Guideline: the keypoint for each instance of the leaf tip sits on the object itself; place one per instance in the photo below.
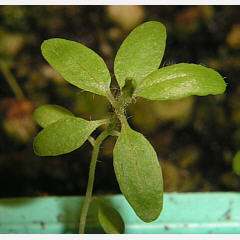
(35, 148)
(236, 163)
(152, 214)
(110, 219)
(46, 44)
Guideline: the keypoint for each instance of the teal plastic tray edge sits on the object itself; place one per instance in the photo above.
(215, 212)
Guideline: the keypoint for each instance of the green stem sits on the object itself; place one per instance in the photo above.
(119, 110)
(111, 99)
(11, 81)
(88, 197)
(91, 140)
(115, 133)
(120, 104)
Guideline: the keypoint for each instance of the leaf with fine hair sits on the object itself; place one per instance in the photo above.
(179, 81)
(77, 64)
(141, 53)
(138, 173)
(64, 136)
(110, 219)
(48, 114)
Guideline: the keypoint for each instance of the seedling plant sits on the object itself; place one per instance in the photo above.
(136, 68)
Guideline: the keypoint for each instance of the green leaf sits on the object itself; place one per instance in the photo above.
(141, 52)
(48, 114)
(138, 173)
(236, 163)
(110, 219)
(179, 81)
(64, 136)
(77, 64)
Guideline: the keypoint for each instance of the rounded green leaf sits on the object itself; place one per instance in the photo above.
(110, 219)
(179, 81)
(48, 114)
(141, 52)
(64, 136)
(138, 173)
(236, 163)
(77, 64)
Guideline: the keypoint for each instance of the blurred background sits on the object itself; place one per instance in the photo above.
(195, 138)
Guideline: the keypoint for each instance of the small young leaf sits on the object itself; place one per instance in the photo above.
(48, 114)
(179, 81)
(138, 173)
(77, 64)
(236, 163)
(141, 52)
(110, 219)
(64, 136)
